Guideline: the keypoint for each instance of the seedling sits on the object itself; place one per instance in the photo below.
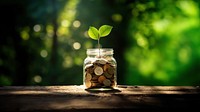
(96, 34)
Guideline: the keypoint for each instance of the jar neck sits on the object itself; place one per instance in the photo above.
(99, 52)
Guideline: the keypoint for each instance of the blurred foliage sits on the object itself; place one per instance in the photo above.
(44, 42)
(164, 48)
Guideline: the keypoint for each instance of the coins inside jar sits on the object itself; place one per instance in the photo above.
(99, 73)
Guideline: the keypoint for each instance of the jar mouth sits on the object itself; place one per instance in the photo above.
(102, 51)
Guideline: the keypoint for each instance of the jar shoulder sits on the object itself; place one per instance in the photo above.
(88, 60)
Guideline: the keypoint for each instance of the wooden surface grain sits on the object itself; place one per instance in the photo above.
(75, 98)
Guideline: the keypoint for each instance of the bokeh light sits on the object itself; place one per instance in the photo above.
(76, 45)
(37, 79)
(43, 53)
(37, 28)
(76, 24)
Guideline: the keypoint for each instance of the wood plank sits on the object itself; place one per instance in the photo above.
(75, 98)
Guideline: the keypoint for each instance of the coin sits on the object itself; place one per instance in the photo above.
(95, 77)
(101, 79)
(108, 75)
(111, 70)
(107, 82)
(101, 61)
(88, 77)
(94, 84)
(98, 70)
(99, 73)
(90, 70)
(105, 67)
(88, 84)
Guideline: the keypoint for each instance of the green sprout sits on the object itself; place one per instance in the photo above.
(96, 34)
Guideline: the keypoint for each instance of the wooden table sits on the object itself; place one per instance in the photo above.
(74, 98)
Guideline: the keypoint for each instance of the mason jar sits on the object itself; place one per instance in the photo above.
(100, 69)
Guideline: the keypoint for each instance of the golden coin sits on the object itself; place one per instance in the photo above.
(95, 78)
(88, 77)
(107, 82)
(90, 70)
(105, 67)
(94, 81)
(108, 75)
(111, 70)
(102, 61)
(101, 79)
(94, 84)
(98, 70)
(88, 84)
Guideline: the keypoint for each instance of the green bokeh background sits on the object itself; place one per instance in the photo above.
(44, 42)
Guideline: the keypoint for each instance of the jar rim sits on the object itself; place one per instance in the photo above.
(103, 51)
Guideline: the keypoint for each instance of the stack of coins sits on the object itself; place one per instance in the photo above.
(99, 73)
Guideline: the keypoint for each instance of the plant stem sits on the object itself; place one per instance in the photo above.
(99, 46)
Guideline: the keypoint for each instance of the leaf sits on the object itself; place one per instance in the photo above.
(93, 33)
(105, 30)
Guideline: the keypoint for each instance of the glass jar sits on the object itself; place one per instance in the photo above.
(100, 69)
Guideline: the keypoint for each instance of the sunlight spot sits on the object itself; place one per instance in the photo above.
(68, 62)
(88, 44)
(62, 31)
(160, 26)
(37, 78)
(161, 75)
(117, 17)
(76, 24)
(37, 28)
(24, 35)
(183, 55)
(146, 67)
(49, 30)
(86, 34)
(188, 7)
(78, 61)
(76, 45)
(141, 7)
(141, 41)
(65, 23)
(43, 53)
